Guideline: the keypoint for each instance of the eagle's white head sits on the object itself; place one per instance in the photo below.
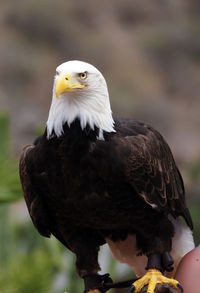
(79, 91)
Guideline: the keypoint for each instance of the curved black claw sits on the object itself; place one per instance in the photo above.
(132, 289)
(180, 287)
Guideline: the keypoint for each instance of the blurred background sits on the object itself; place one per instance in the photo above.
(149, 53)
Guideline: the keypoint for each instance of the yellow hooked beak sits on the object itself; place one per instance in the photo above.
(64, 84)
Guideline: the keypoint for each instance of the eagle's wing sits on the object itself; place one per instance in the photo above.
(35, 184)
(31, 194)
(152, 172)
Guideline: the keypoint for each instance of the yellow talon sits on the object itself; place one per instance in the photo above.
(152, 278)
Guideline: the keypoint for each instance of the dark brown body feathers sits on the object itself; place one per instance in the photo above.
(77, 187)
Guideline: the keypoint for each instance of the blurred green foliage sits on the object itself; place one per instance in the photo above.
(9, 179)
(30, 263)
(194, 171)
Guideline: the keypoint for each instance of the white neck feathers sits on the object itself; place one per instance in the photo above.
(91, 106)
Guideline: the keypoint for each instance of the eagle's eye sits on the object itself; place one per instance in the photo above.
(83, 75)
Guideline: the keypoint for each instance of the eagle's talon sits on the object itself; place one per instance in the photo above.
(180, 287)
(152, 278)
(131, 289)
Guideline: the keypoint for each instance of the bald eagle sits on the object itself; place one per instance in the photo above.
(91, 179)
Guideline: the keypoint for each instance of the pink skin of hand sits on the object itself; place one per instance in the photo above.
(188, 272)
